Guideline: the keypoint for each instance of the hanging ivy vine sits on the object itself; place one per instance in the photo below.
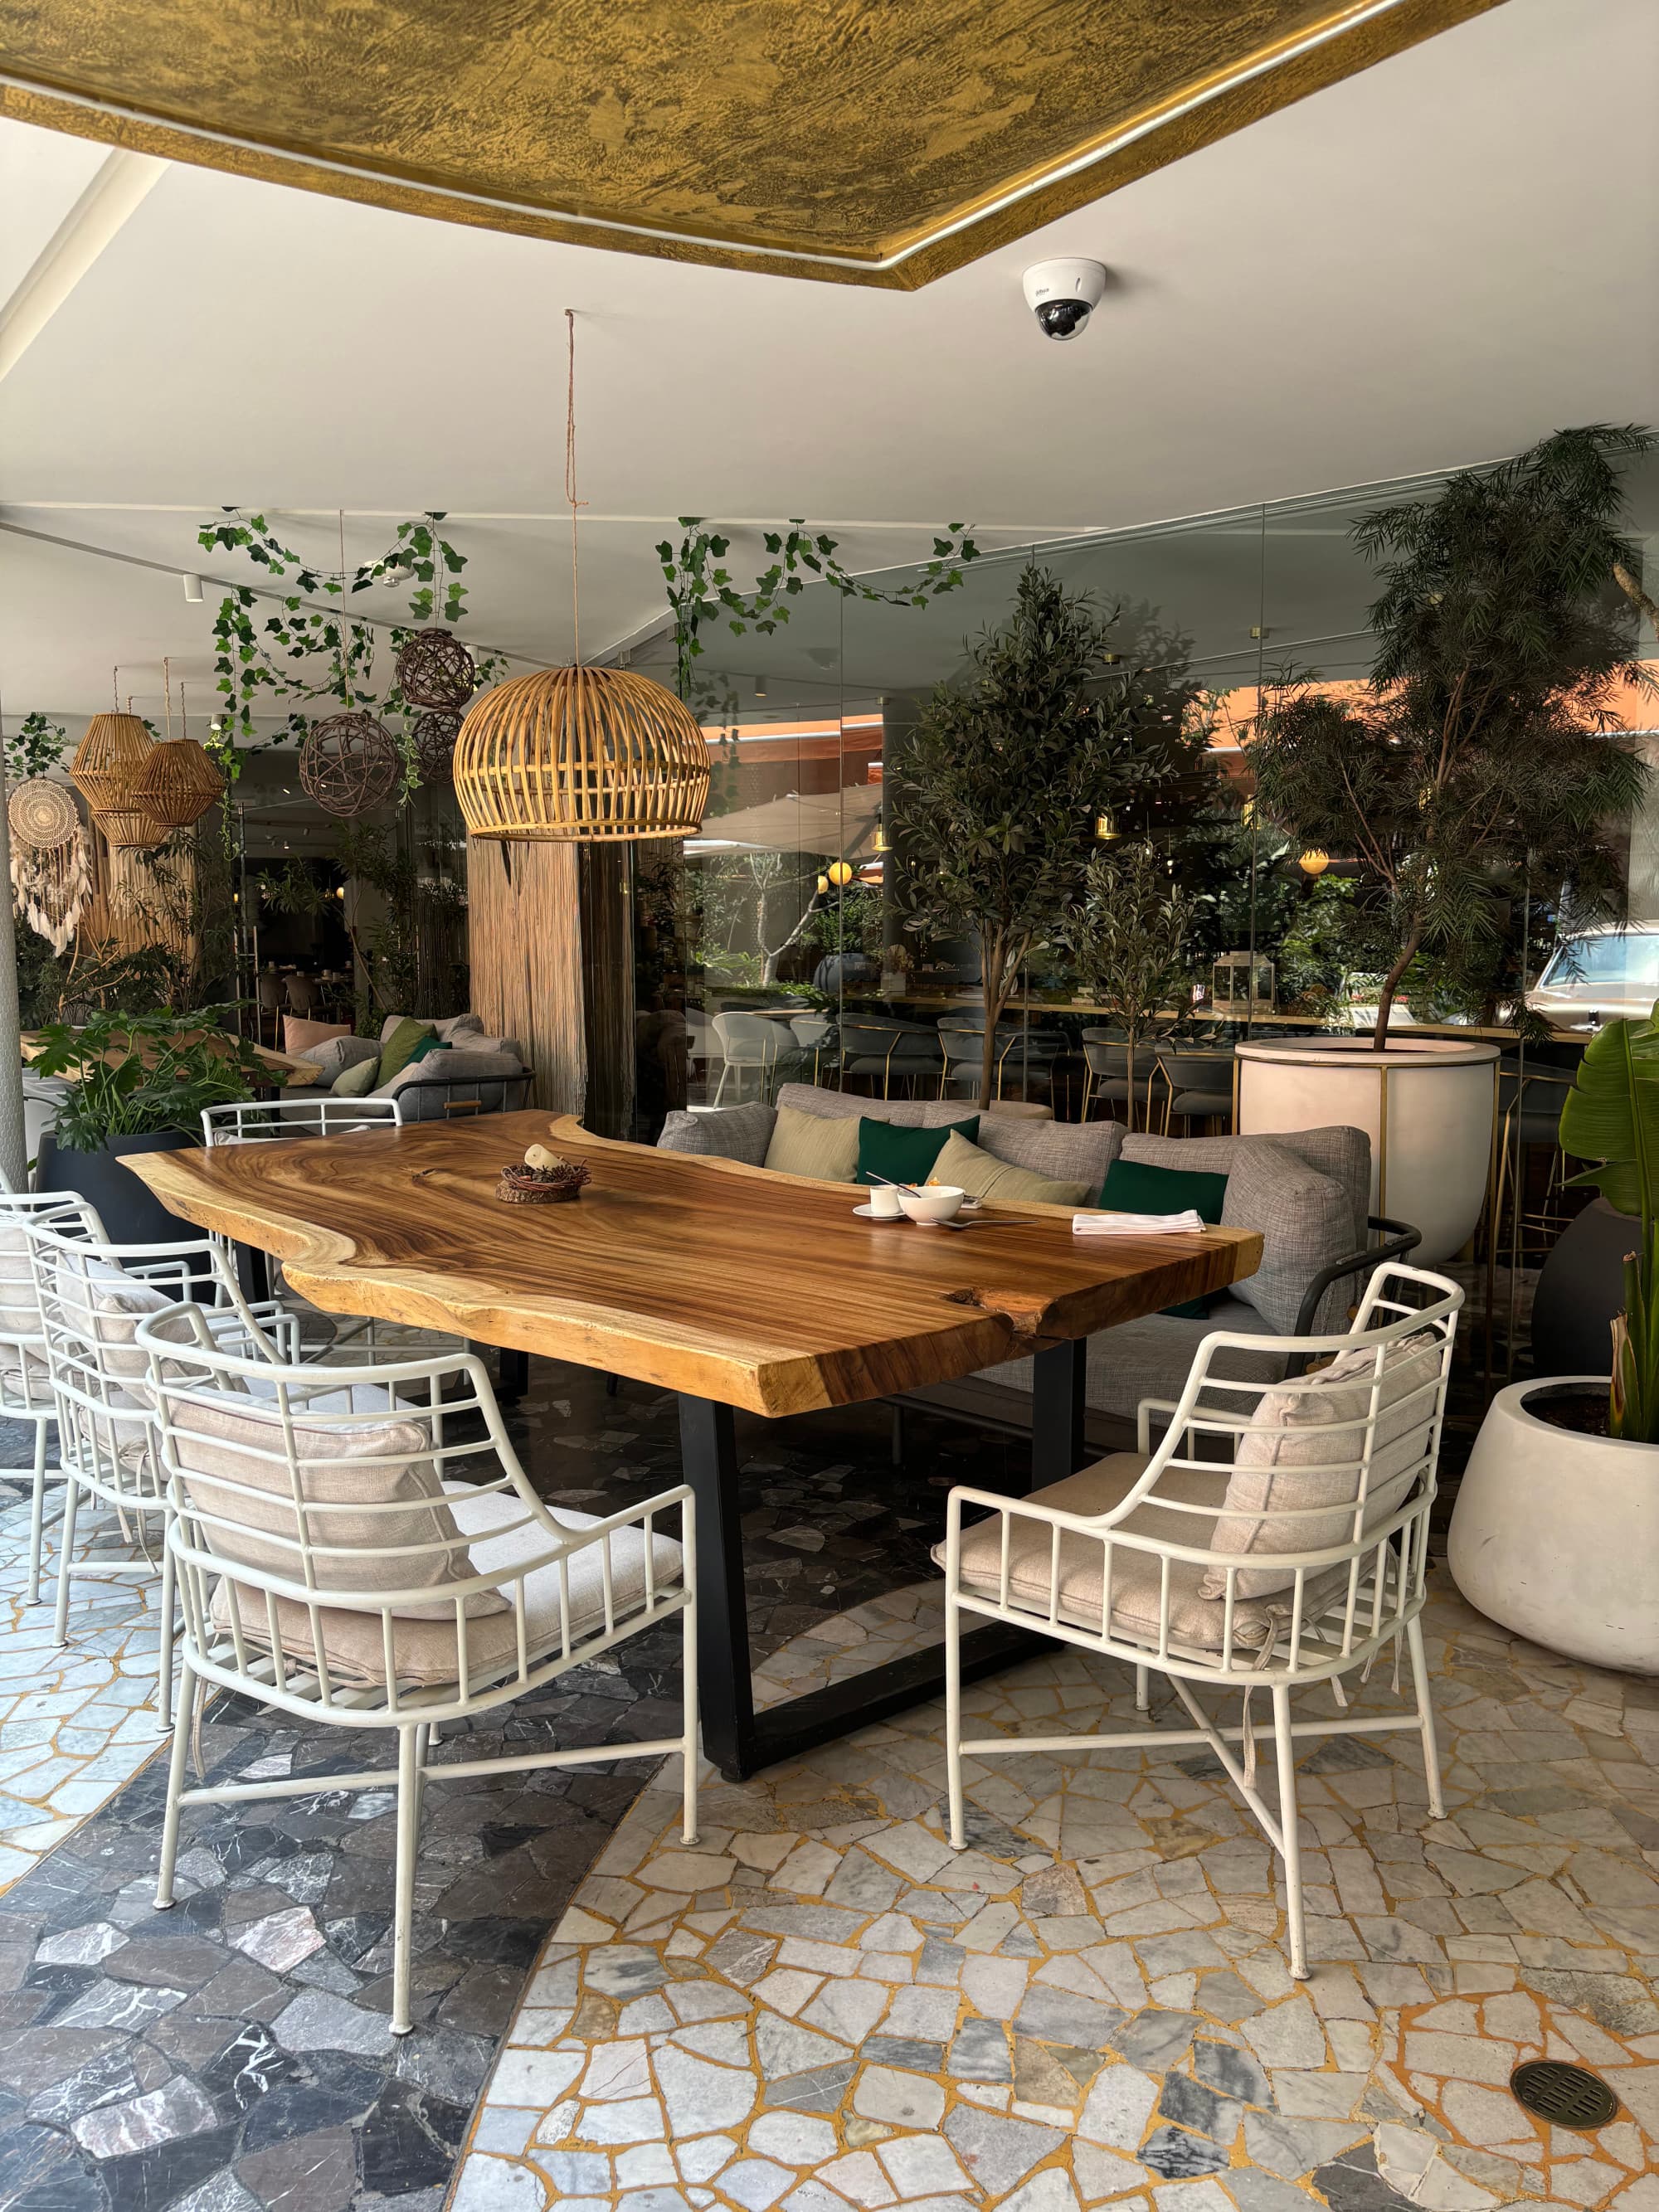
(34, 746)
(702, 590)
(306, 653)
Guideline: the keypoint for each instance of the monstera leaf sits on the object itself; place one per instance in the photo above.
(1612, 1115)
(1612, 1118)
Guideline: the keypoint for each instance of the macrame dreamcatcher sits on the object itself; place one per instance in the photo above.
(51, 865)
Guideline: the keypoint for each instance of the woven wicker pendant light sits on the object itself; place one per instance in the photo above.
(178, 782)
(588, 755)
(108, 764)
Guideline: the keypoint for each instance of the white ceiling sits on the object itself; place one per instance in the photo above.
(1435, 261)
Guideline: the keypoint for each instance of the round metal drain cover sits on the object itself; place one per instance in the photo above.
(1565, 2096)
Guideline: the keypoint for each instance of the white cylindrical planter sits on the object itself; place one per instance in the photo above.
(1428, 1105)
(1556, 1535)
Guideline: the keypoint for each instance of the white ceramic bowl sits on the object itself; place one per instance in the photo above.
(931, 1201)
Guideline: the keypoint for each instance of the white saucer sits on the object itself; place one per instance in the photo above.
(868, 1213)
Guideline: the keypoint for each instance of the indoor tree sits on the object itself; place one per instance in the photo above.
(1128, 935)
(994, 800)
(1478, 772)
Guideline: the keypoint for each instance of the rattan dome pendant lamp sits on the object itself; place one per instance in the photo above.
(178, 782)
(108, 764)
(583, 755)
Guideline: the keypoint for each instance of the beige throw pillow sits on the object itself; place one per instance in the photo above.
(981, 1175)
(378, 1492)
(814, 1145)
(1290, 1458)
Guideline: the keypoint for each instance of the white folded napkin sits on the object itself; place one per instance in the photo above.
(1135, 1225)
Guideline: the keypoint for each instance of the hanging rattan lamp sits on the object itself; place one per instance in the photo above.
(594, 754)
(108, 764)
(178, 782)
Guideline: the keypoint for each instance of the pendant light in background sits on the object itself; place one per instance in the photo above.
(108, 764)
(178, 782)
(589, 755)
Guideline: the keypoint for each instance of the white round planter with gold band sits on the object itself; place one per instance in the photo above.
(1428, 1105)
(1555, 1535)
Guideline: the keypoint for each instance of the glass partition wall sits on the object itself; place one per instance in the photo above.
(773, 947)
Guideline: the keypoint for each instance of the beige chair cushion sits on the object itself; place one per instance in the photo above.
(356, 1472)
(811, 1144)
(983, 1176)
(426, 1651)
(1288, 1459)
(1196, 1620)
(20, 1310)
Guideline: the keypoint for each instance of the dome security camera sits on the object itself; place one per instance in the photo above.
(1061, 294)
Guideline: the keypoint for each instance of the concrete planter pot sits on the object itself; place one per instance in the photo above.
(1426, 1104)
(1555, 1536)
(129, 1209)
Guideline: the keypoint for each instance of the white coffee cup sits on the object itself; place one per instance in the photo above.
(884, 1201)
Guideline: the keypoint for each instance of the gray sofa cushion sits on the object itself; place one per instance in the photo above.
(1066, 1151)
(1343, 1154)
(1301, 1191)
(736, 1132)
(459, 1064)
(338, 1053)
(1152, 1358)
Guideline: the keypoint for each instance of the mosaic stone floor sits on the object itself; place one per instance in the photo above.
(74, 1724)
(823, 2007)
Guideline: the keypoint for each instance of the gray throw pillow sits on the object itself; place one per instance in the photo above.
(340, 1053)
(734, 1132)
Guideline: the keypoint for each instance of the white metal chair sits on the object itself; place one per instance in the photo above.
(747, 1040)
(1274, 1538)
(387, 1568)
(25, 1379)
(90, 1295)
(279, 1120)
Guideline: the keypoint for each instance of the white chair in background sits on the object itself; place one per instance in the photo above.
(25, 1379)
(90, 1295)
(288, 1119)
(747, 1040)
(389, 1568)
(1276, 1539)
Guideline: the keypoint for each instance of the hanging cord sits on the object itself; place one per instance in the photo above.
(167, 689)
(570, 487)
(345, 688)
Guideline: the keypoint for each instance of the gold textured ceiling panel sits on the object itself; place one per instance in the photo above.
(854, 142)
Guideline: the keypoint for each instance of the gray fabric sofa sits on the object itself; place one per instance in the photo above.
(1305, 1191)
(479, 1073)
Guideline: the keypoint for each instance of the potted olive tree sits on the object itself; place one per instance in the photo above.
(992, 803)
(1556, 1530)
(137, 1084)
(1476, 777)
(1128, 937)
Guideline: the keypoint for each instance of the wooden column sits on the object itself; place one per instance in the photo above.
(607, 910)
(524, 938)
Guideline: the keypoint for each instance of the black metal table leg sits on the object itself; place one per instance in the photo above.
(725, 1690)
(735, 1737)
(1059, 1409)
(512, 1369)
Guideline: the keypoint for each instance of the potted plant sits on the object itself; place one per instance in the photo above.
(1555, 1534)
(1477, 777)
(1128, 937)
(137, 1084)
(992, 801)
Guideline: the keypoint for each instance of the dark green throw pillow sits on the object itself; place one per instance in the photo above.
(429, 1044)
(890, 1154)
(1137, 1187)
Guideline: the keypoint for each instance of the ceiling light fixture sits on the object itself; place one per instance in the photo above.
(581, 754)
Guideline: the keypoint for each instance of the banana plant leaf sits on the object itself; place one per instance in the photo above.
(1611, 1116)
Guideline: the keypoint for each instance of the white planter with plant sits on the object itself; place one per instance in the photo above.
(1474, 785)
(1555, 1534)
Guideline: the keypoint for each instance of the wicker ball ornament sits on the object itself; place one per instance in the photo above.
(350, 763)
(434, 737)
(179, 783)
(434, 669)
(587, 755)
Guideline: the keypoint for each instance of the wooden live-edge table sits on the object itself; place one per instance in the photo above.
(736, 1287)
